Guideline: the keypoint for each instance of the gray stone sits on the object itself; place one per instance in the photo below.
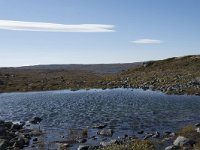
(3, 144)
(64, 146)
(109, 143)
(83, 147)
(35, 120)
(182, 141)
(156, 135)
(35, 139)
(140, 132)
(8, 124)
(82, 140)
(197, 124)
(2, 122)
(172, 147)
(99, 126)
(148, 136)
(198, 130)
(16, 127)
(106, 132)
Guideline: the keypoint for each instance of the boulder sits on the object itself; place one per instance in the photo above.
(156, 135)
(99, 126)
(198, 130)
(109, 143)
(3, 144)
(183, 141)
(197, 124)
(16, 126)
(83, 147)
(64, 146)
(82, 140)
(140, 132)
(35, 120)
(105, 132)
(19, 143)
(8, 125)
(2, 122)
(148, 136)
(172, 147)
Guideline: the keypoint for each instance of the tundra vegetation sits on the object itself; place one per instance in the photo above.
(179, 75)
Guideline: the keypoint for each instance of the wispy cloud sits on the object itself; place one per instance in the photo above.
(147, 41)
(53, 27)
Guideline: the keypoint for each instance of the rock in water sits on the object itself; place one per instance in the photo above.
(109, 143)
(83, 147)
(35, 120)
(105, 132)
(99, 126)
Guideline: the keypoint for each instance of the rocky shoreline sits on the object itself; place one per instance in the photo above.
(17, 135)
(188, 138)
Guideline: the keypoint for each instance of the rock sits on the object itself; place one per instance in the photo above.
(198, 130)
(172, 147)
(2, 131)
(105, 132)
(16, 127)
(19, 143)
(109, 143)
(148, 136)
(2, 122)
(167, 132)
(82, 140)
(172, 134)
(26, 141)
(83, 147)
(8, 124)
(35, 139)
(35, 120)
(197, 124)
(156, 135)
(64, 146)
(99, 126)
(182, 141)
(3, 144)
(140, 132)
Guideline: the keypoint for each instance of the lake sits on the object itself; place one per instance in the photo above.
(126, 111)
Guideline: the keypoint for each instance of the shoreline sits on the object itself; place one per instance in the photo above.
(111, 88)
(20, 135)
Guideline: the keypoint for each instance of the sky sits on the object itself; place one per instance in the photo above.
(36, 32)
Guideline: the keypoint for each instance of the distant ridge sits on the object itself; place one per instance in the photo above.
(96, 68)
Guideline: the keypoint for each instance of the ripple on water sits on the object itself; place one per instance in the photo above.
(121, 109)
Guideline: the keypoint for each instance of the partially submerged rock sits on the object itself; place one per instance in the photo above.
(35, 120)
(83, 147)
(99, 126)
(105, 132)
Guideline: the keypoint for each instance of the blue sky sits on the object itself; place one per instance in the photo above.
(126, 31)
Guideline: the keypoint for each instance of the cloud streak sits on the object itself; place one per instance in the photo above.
(53, 27)
(147, 41)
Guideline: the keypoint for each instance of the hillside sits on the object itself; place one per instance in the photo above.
(179, 75)
(174, 75)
